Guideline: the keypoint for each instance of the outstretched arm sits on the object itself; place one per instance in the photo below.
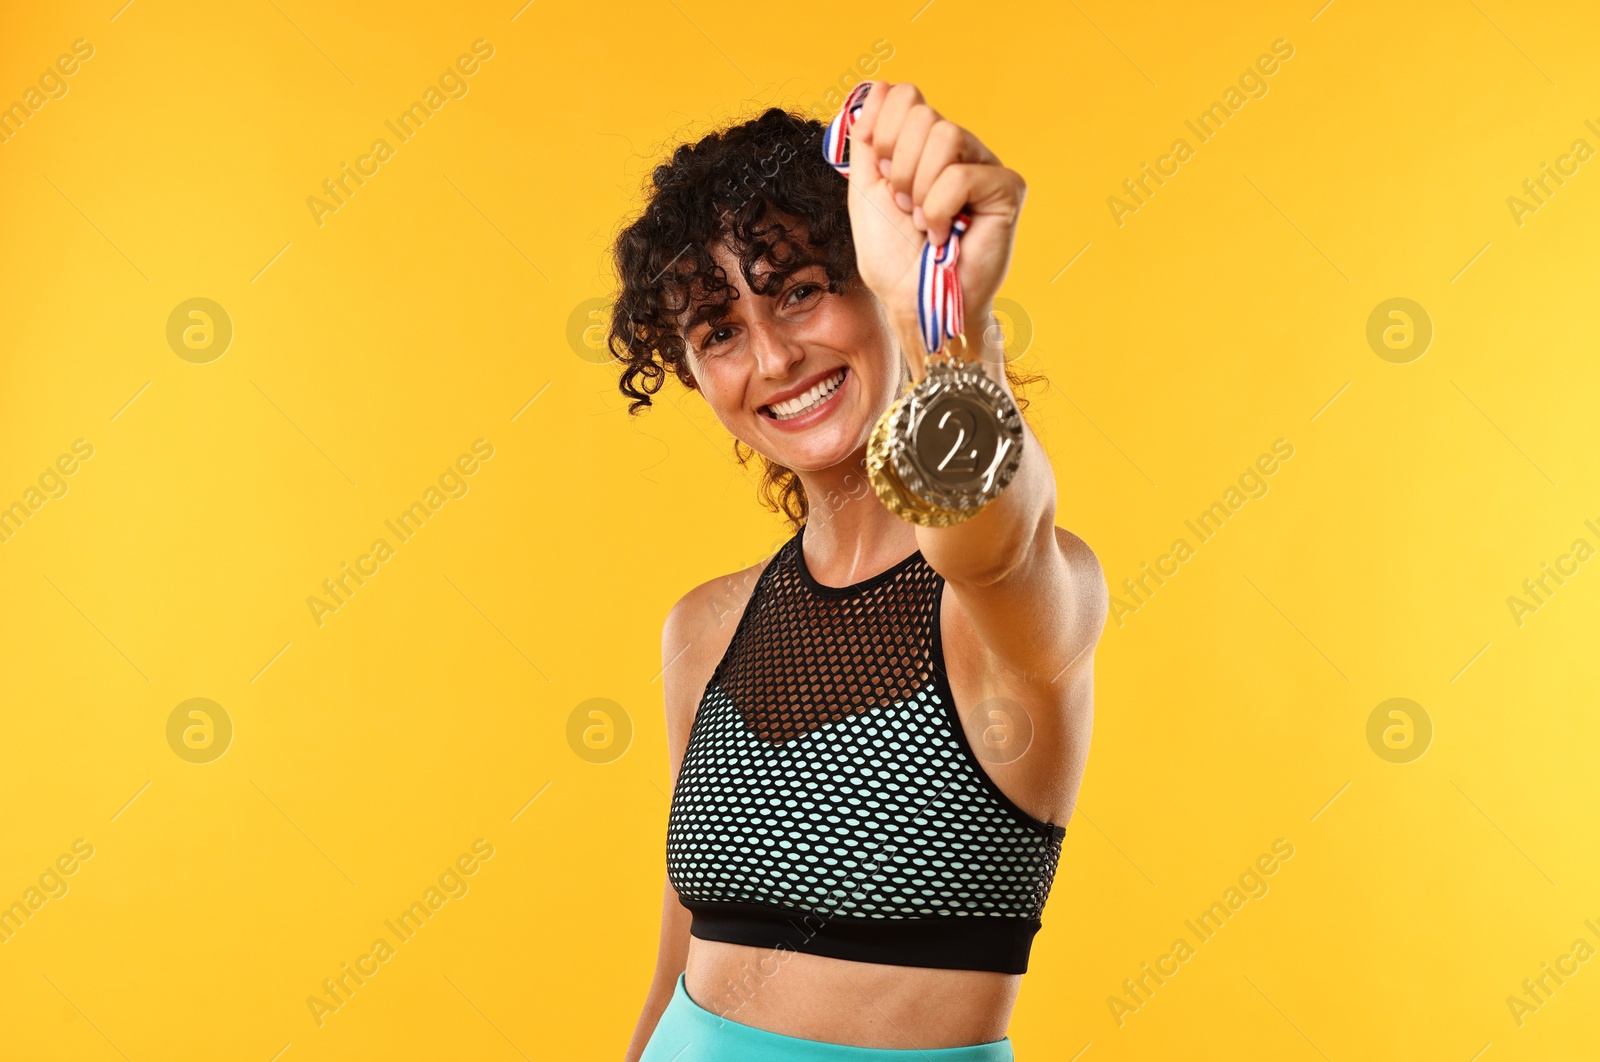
(1037, 602)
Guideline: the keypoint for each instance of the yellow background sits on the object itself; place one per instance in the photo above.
(369, 352)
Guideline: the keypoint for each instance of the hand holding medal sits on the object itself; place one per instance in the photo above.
(952, 441)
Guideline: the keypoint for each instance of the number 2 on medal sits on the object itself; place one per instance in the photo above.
(963, 428)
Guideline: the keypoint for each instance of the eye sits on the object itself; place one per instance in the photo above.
(803, 291)
(715, 336)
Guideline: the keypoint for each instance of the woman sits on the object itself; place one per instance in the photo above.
(871, 775)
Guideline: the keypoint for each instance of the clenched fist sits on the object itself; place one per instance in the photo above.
(911, 172)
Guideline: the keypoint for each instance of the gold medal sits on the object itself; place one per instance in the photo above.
(947, 446)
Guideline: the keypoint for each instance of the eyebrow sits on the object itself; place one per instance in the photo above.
(703, 313)
(711, 311)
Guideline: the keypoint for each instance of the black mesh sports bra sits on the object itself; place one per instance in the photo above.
(829, 800)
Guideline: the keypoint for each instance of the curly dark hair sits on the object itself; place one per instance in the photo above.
(765, 186)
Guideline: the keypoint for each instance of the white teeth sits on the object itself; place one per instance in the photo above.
(808, 401)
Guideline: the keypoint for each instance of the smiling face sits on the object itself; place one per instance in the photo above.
(799, 375)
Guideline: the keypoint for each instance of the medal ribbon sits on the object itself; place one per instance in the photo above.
(938, 287)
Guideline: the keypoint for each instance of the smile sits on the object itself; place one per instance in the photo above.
(812, 399)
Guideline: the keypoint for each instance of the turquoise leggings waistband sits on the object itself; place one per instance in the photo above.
(687, 1032)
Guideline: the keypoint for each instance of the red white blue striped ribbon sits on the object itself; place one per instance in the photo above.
(939, 312)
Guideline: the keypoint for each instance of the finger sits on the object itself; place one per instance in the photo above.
(947, 144)
(977, 152)
(863, 159)
(908, 151)
(885, 129)
(868, 118)
(992, 190)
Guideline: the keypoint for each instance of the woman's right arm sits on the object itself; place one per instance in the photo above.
(671, 958)
(684, 675)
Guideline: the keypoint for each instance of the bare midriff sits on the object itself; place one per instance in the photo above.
(860, 1004)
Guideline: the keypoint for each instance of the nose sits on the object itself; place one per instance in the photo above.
(777, 350)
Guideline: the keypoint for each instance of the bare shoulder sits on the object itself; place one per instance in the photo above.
(702, 621)
(695, 635)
